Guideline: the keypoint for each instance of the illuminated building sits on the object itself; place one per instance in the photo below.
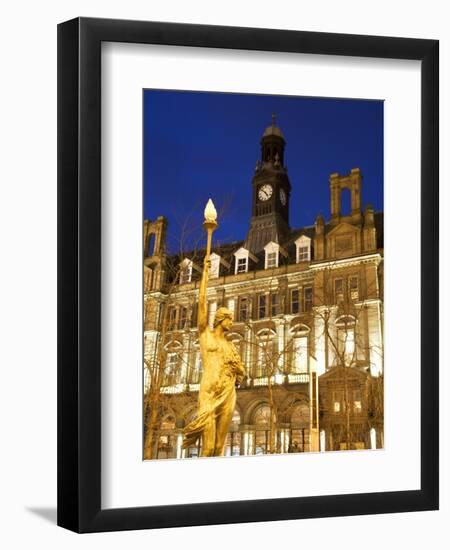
(308, 322)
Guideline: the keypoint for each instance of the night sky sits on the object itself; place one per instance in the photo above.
(199, 145)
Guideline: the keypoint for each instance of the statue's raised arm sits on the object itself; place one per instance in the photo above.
(210, 225)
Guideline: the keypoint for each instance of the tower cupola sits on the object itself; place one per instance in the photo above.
(272, 144)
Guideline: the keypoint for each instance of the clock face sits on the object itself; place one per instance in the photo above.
(283, 197)
(265, 192)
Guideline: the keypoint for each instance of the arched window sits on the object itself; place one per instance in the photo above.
(300, 349)
(300, 354)
(261, 416)
(300, 415)
(266, 354)
(173, 366)
(345, 345)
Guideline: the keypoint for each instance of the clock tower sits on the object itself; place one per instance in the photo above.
(271, 192)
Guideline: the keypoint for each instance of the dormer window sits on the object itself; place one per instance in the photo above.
(303, 245)
(185, 271)
(241, 260)
(273, 251)
(215, 265)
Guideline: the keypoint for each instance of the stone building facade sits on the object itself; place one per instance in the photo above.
(308, 323)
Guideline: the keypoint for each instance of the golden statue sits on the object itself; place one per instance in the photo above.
(222, 367)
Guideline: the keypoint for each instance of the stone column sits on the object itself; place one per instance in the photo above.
(245, 437)
(322, 441)
(179, 445)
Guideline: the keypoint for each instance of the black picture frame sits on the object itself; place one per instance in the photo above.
(79, 274)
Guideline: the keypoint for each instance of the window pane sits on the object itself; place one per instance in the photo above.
(242, 265)
(172, 316)
(338, 291)
(338, 401)
(354, 290)
(346, 344)
(303, 253)
(170, 370)
(295, 303)
(300, 363)
(262, 306)
(349, 345)
(307, 298)
(243, 309)
(272, 259)
(274, 304)
(265, 356)
(183, 318)
(262, 359)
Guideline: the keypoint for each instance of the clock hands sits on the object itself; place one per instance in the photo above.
(265, 192)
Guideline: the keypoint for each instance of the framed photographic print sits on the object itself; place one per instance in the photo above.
(248, 269)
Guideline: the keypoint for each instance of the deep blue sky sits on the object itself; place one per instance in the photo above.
(199, 145)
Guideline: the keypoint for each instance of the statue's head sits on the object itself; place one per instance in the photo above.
(223, 317)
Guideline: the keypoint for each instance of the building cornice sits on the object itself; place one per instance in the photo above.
(346, 262)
